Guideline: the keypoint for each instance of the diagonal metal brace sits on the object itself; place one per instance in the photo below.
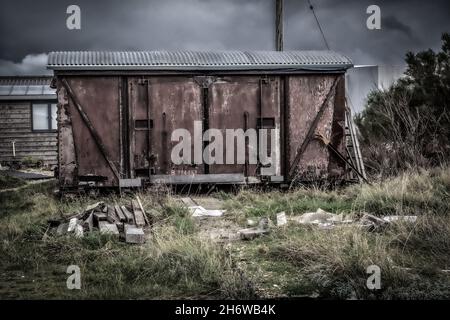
(327, 143)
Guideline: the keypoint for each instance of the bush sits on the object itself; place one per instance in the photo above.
(408, 125)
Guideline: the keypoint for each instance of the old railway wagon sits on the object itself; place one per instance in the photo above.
(28, 121)
(117, 112)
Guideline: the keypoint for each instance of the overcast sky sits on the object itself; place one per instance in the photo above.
(29, 29)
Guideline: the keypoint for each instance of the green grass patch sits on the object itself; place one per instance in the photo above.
(8, 182)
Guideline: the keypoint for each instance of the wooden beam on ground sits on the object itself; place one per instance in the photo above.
(138, 214)
(129, 216)
(120, 214)
(143, 211)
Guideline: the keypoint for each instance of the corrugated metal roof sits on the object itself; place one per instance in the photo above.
(26, 88)
(198, 60)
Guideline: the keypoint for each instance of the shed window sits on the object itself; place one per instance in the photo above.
(44, 116)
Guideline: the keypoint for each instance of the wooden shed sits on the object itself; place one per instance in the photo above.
(118, 111)
(28, 126)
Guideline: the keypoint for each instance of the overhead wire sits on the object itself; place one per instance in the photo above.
(318, 24)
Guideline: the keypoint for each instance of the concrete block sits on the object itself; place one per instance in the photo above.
(134, 234)
(108, 228)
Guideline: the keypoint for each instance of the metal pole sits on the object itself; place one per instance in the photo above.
(279, 25)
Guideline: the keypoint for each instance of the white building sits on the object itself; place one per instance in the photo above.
(362, 79)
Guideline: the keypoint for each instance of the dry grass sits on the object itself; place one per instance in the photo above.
(292, 261)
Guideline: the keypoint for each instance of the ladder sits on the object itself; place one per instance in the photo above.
(352, 147)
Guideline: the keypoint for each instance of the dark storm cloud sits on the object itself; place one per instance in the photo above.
(392, 23)
(29, 28)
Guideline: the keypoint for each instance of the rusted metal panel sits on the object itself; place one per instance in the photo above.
(135, 117)
(245, 103)
(67, 161)
(99, 98)
(234, 103)
(336, 169)
(169, 103)
(306, 96)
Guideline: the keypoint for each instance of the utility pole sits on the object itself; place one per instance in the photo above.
(279, 25)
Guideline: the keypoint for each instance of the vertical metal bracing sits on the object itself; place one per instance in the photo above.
(149, 127)
(352, 145)
(246, 115)
(205, 94)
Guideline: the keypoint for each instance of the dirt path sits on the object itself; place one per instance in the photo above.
(25, 185)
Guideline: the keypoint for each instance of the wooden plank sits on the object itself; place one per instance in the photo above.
(15, 111)
(36, 153)
(128, 215)
(138, 214)
(142, 208)
(15, 127)
(13, 121)
(120, 214)
(9, 157)
(28, 144)
(30, 135)
(13, 115)
(112, 216)
(21, 148)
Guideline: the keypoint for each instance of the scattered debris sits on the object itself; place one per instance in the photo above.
(62, 229)
(327, 220)
(372, 223)
(125, 222)
(252, 222)
(188, 202)
(411, 219)
(199, 211)
(72, 224)
(281, 219)
(321, 218)
(252, 233)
